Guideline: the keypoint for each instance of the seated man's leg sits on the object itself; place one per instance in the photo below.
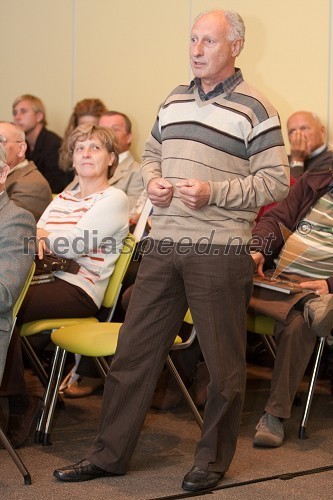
(295, 343)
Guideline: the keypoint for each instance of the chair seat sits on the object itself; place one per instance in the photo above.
(41, 325)
(90, 339)
(260, 324)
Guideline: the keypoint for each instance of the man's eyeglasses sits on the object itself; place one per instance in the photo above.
(4, 140)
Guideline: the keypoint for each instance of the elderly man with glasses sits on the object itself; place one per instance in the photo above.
(25, 185)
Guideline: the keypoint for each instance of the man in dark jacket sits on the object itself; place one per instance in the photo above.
(306, 215)
(43, 145)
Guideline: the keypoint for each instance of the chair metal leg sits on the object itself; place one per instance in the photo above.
(102, 366)
(54, 389)
(185, 392)
(320, 348)
(270, 345)
(46, 399)
(18, 462)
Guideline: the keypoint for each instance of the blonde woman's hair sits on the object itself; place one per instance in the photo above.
(106, 136)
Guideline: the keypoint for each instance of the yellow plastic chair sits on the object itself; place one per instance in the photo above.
(3, 439)
(110, 301)
(180, 345)
(99, 341)
(34, 327)
(263, 325)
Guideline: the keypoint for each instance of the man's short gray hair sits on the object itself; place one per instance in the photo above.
(236, 25)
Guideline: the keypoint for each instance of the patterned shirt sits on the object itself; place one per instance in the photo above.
(310, 249)
(90, 230)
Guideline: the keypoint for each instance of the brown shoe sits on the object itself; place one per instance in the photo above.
(83, 387)
(19, 426)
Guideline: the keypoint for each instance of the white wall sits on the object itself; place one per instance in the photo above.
(131, 54)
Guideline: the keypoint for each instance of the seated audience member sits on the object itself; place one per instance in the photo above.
(43, 145)
(25, 185)
(16, 224)
(307, 213)
(128, 173)
(93, 240)
(308, 148)
(85, 111)
(85, 380)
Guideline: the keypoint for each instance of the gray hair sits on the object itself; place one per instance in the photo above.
(236, 25)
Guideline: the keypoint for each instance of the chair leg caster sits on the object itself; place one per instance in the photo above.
(46, 440)
(38, 437)
(302, 433)
(27, 479)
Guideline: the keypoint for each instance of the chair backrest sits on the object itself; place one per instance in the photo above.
(116, 279)
(24, 290)
(140, 227)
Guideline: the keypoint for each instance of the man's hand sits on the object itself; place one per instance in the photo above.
(193, 193)
(259, 260)
(299, 149)
(160, 192)
(318, 286)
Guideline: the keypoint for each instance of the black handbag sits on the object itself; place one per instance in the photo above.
(51, 263)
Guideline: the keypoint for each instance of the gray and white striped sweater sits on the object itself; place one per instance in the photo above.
(234, 142)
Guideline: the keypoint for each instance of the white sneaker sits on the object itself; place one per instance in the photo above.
(270, 432)
(318, 314)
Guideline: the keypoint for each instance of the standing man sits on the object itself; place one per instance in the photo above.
(308, 148)
(43, 145)
(127, 176)
(214, 156)
(25, 185)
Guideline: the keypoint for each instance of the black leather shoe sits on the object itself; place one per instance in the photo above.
(82, 471)
(199, 479)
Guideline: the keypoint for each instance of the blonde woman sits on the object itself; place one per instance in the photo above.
(87, 224)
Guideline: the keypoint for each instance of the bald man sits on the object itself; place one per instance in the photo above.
(308, 148)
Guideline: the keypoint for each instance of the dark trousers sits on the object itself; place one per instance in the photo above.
(295, 342)
(58, 299)
(217, 288)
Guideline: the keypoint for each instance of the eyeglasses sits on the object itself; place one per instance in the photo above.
(4, 140)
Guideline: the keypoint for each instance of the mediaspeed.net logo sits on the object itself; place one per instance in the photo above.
(293, 248)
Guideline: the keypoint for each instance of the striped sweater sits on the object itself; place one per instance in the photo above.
(91, 231)
(234, 142)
